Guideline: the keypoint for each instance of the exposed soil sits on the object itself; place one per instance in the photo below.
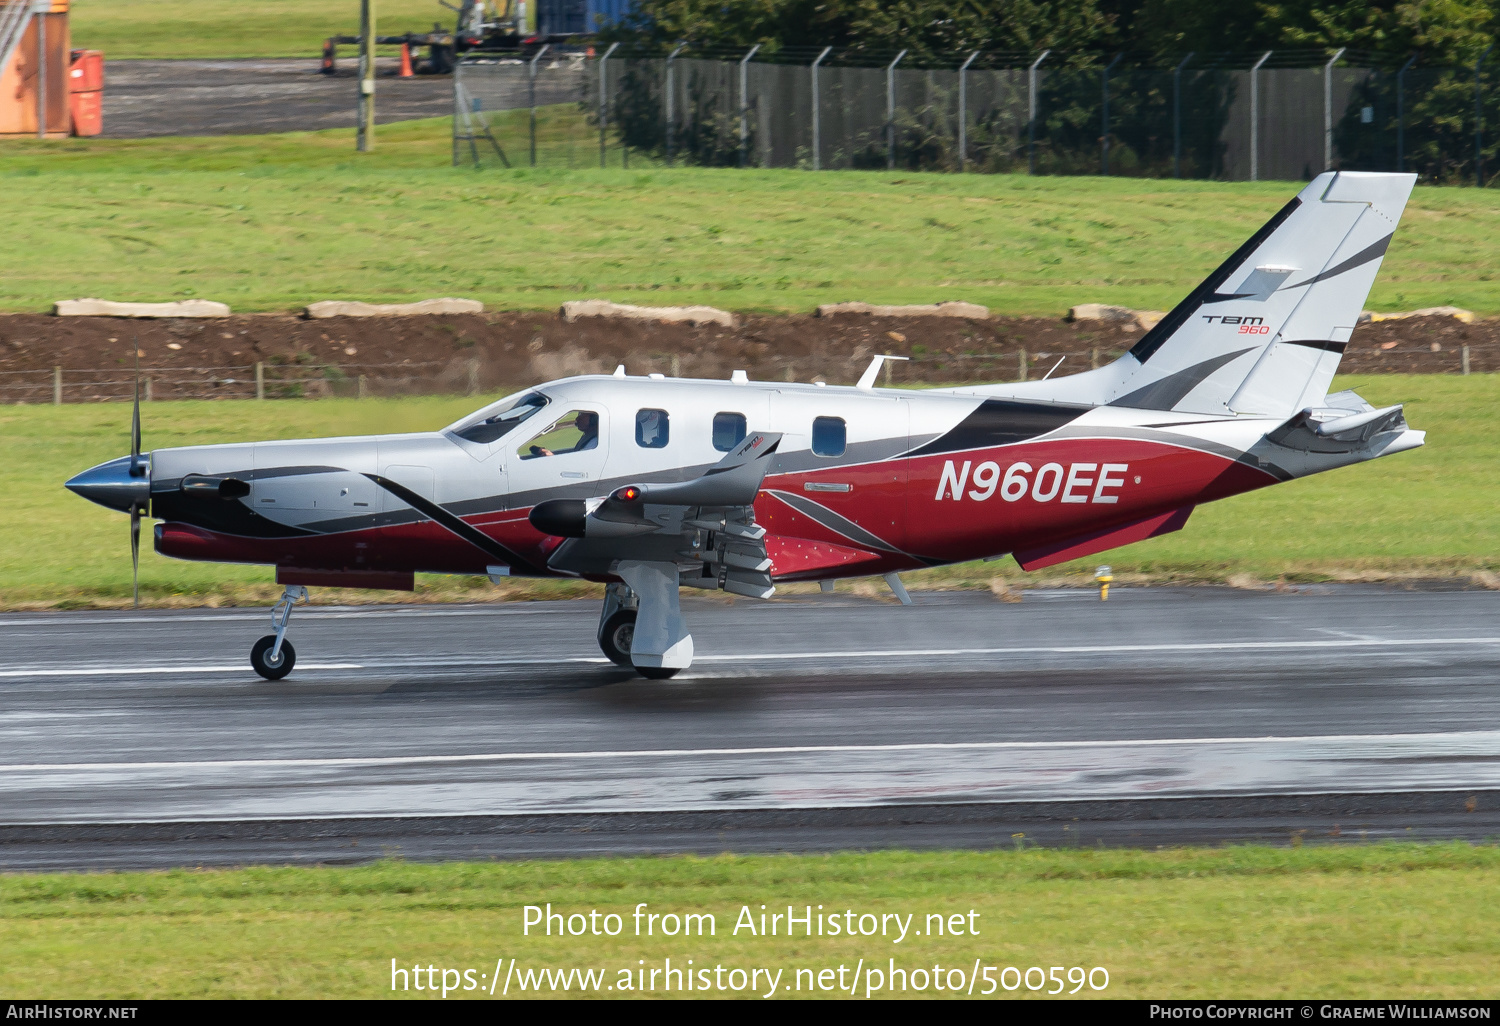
(485, 352)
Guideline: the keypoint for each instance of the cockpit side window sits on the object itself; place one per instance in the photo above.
(504, 419)
(574, 431)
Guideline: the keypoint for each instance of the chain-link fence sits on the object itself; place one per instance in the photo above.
(1279, 115)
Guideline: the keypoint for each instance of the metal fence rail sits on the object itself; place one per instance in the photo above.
(1277, 115)
(1001, 363)
(251, 381)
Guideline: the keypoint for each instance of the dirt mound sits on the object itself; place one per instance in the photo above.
(486, 352)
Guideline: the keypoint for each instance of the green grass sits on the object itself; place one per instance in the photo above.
(236, 28)
(273, 222)
(1333, 922)
(1434, 512)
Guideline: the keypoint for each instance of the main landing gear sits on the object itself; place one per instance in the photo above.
(273, 656)
(641, 625)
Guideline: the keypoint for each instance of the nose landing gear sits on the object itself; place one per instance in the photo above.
(273, 656)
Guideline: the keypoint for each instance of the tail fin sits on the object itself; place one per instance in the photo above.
(1264, 333)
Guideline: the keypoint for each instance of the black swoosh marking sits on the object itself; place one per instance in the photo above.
(1172, 389)
(463, 529)
(1374, 251)
(1001, 422)
(834, 522)
(1327, 347)
(1168, 325)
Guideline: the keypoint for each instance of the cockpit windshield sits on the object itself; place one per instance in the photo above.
(503, 418)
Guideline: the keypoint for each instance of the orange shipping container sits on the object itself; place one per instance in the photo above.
(28, 69)
(86, 92)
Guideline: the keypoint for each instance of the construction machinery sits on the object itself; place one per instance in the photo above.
(516, 27)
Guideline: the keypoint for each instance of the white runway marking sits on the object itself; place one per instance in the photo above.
(688, 753)
(409, 663)
(115, 671)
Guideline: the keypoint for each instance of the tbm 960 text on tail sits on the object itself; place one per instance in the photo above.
(651, 484)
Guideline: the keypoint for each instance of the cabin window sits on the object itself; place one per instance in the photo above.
(651, 429)
(829, 436)
(729, 430)
(574, 431)
(502, 420)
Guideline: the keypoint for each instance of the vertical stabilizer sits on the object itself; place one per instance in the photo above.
(1264, 333)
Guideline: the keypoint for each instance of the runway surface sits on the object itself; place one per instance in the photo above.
(145, 98)
(956, 720)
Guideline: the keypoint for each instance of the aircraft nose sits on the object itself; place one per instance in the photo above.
(113, 485)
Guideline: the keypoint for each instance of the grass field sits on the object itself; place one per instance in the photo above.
(273, 222)
(1335, 922)
(1434, 512)
(236, 28)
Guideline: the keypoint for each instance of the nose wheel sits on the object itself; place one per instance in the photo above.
(273, 656)
(270, 663)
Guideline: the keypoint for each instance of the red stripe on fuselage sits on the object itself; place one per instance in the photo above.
(895, 500)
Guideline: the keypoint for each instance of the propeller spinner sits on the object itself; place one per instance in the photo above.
(123, 484)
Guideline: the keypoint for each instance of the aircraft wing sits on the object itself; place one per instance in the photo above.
(706, 525)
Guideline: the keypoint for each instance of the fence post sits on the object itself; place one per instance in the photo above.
(457, 108)
(1479, 120)
(671, 120)
(149, 397)
(260, 380)
(1401, 113)
(745, 105)
(41, 75)
(1465, 359)
(817, 146)
(1255, 116)
(1177, 115)
(363, 388)
(1031, 112)
(531, 86)
(604, 99)
(890, 111)
(365, 133)
(1328, 109)
(473, 375)
(1021, 364)
(963, 115)
(1104, 134)
(56, 386)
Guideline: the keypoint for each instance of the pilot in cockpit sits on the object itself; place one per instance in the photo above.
(587, 424)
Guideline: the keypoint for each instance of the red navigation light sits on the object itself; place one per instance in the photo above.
(630, 493)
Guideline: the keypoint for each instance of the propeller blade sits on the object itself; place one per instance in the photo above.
(135, 555)
(135, 416)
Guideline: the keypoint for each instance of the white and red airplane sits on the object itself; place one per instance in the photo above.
(649, 484)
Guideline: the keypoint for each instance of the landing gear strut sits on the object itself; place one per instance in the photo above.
(273, 656)
(617, 624)
(641, 626)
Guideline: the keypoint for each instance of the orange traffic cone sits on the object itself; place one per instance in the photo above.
(406, 60)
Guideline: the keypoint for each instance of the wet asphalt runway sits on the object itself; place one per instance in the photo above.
(238, 97)
(1162, 716)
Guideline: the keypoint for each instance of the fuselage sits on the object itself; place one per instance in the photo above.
(865, 480)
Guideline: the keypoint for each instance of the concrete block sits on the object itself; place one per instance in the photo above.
(424, 308)
(572, 311)
(1458, 313)
(969, 311)
(105, 308)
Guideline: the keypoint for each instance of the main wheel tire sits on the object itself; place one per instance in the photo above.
(616, 635)
(658, 672)
(260, 658)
